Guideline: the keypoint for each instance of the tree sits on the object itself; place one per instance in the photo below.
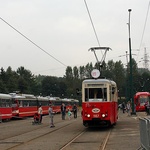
(109, 73)
(69, 73)
(12, 79)
(119, 77)
(3, 81)
(26, 80)
(88, 69)
(75, 72)
(53, 86)
(81, 72)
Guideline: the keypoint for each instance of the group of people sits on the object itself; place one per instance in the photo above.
(127, 108)
(63, 113)
(69, 113)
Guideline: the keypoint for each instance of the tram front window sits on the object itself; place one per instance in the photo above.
(95, 94)
(143, 100)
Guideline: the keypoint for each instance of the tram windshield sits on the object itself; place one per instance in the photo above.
(143, 99)
(96, 94)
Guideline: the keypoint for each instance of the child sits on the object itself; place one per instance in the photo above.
(69, 114)
(36, 118)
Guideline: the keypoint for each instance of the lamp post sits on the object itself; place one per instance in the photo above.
(131, 80)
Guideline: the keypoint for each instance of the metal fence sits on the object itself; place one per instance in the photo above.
(145, 133)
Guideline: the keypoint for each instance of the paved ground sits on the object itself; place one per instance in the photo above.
(124, 136)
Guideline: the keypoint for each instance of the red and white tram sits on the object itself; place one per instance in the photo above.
(99, 102)
(25, 105)
(5, 106)
(140, 99)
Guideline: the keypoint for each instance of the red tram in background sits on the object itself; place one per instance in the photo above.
(25, 105)
(140, 99)
(5, 106)
(99, 102)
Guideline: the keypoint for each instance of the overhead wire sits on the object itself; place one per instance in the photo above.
(144, 28)
(92, 24)
(32, 42)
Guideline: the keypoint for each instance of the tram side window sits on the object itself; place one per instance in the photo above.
(25, 103)
(32, 103)
(3, 103)
(57, 103)
(20, 104)
(8, 103)
(113, 92)
(45, 103)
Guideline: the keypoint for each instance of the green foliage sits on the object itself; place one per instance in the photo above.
(24, 81)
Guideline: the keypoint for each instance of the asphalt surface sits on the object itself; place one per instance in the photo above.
(126, 133)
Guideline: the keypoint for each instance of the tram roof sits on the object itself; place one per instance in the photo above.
(97, 81)
(142, 93)
(54, 98)
(66, 100)
(22, 96)
(75, 100)
(5, 96)
(41, 98)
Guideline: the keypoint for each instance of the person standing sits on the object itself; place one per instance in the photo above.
(63, 111)
(40, 113)
(129, 108)
(123, 107)
(51, 115)
(69, 114)
(75, 110)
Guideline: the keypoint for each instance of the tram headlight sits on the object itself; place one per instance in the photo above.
(88, 115)
(103, 115)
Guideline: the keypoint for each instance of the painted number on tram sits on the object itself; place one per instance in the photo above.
(95, 115)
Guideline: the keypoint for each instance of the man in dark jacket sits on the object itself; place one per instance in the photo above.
(123, 107)
(75, 110)
(63, 111)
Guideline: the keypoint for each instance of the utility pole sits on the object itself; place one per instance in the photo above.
(131, 79)
(145, 60)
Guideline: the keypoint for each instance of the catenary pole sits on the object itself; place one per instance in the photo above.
(131, 75)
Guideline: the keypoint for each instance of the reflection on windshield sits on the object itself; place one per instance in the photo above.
(96, 94)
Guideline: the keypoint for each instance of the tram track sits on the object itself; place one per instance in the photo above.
(26, 121)
(72, 140)
(75, 140)
(78, 138)
(103, 143)
(38, 126)
(32, 139)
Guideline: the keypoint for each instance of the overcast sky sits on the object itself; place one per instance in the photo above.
(63, 30)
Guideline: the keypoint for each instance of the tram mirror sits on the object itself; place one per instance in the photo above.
(113, 90)
(77, 91)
